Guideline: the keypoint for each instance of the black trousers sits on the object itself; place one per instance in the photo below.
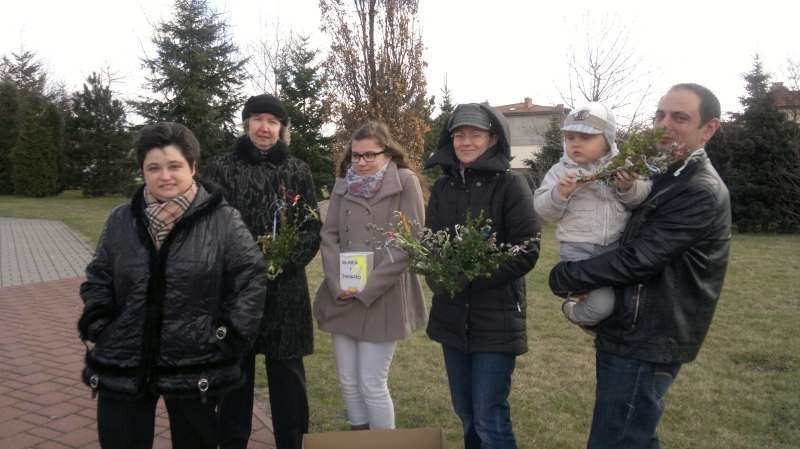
(288, 401)
(125, 424)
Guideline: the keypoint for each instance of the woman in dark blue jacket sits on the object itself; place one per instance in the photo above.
(172, 297)
(482, 329)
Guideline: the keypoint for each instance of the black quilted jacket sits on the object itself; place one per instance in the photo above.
(172, 321)
(251, 183)
(490, 315)
(668, 269)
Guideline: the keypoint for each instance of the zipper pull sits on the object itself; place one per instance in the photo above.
(519, 309)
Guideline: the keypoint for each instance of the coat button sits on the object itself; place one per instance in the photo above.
(347, 212)
(221, 332)
(349, 243)
(478, 184)
(369, 213)
(347, 228)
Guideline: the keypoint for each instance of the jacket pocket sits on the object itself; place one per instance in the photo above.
(628, 307)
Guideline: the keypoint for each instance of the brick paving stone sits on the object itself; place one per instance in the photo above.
(45, 432)
(51, 398)
(37, 377)
(23, 395)
(51, 445)
(8, 413)
(79, 437)
(162, 443)
(69, 423)
(27, 406)
(35, 418)
(92, 445)
(13, 426)
(7, 401)
(44, 388)
(59, 410)
(20, 441)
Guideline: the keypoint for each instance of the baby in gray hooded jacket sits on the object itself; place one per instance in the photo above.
(591, 216)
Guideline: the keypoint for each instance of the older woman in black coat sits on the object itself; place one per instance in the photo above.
(172, 298)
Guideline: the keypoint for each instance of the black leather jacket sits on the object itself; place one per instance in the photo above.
(172, 321)
(668, 270)
(490, 314)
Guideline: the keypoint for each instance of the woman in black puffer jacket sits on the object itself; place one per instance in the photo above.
(172, 298)
(482, 329)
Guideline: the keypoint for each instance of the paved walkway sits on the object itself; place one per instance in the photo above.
(43, 403)
(39, 250)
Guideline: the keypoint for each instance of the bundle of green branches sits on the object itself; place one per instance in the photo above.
(451, 259)
(638, 155)
(289, 217)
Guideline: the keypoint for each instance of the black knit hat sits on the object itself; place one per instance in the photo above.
(264, 103)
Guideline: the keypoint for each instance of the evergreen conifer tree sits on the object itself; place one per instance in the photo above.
(98, 141)
(765, 170)
(446, 107)
(301, 92)
(38, 153)
(8, 134)
(196, 76)
(25, 72)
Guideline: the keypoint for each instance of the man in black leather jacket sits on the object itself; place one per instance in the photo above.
(667, 274)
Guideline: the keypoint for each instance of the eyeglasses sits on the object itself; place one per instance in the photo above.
(369, 157)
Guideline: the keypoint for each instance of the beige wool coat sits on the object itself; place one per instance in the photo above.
(391, 306)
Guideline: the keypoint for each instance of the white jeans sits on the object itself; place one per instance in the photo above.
(363, 373)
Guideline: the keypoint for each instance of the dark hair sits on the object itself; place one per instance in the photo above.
(164, 134)
(709, 104)
(380, 132)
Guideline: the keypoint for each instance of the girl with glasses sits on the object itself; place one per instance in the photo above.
(374, 181)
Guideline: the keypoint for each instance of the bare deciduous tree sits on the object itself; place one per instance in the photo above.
(605, 67)
(793, 72)
(375, 68)
(267, 57)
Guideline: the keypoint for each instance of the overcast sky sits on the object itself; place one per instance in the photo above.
(500, 51)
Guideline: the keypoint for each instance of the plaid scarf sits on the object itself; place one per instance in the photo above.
(162, 215)
(364, 186)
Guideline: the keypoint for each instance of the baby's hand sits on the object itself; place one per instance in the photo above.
(624, 180)
(567, 185)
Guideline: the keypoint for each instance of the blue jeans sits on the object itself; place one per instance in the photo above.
(629, 402)
(479, 387)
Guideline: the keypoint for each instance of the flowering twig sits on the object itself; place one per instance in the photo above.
(289, 214)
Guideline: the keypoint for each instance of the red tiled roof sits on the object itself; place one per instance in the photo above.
(785, 98)
(528, 108)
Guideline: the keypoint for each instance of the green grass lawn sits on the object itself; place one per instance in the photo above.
(743, 391)
(84, 215)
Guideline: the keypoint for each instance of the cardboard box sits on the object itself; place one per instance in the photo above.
(425, 438)
(354, 269)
